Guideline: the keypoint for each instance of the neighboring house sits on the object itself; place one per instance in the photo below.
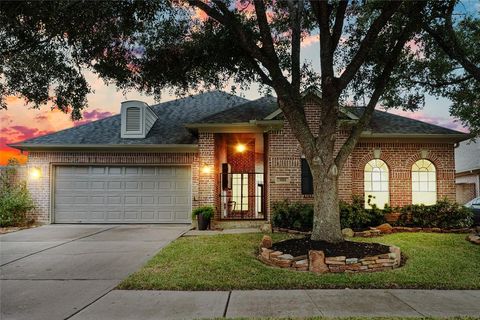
(154, 164)
(467, 171)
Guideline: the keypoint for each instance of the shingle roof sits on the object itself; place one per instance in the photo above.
(384, 122)
(211, 107)
(168, 129)
(252, 110)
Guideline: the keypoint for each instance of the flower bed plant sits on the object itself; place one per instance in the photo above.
(444, 214)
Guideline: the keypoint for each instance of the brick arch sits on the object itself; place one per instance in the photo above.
(360, 167)
(433, 158)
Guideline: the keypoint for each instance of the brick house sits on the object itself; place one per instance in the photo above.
(154, 164)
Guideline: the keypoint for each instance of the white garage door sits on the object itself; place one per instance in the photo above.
(122, 194)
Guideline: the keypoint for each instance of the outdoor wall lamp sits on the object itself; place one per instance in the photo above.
(206, 169)
(240, 147)
(35, 173)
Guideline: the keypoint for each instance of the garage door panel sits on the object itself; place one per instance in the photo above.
(117, 194)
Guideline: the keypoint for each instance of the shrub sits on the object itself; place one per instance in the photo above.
(443, 214)
(297, 216)
(15, 201)
(206, 211)
(355, 216)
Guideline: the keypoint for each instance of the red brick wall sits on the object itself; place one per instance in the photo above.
(284, 155)
(243, 162)
(206, 183)
(400, 157)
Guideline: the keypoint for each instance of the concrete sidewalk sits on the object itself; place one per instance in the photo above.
(142, 305)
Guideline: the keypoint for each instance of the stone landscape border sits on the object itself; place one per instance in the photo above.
(474, 238)
(317, 262)
(381, 230)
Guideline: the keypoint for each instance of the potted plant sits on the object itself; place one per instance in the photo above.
(204, 215)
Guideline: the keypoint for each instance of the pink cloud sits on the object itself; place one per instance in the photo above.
(24, 132)
(19, 133)
(415, 47)
(310, 40)
(89, 116)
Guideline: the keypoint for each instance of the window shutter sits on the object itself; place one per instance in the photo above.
(307, 179)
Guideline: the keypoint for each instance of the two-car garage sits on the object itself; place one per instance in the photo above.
(121, 194)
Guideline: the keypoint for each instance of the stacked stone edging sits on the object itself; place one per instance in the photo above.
(375, 232)
(474, 238)
(317, 262)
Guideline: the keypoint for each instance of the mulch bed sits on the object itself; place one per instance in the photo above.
(350, 249)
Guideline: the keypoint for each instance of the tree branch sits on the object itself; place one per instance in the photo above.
(372, 34)
(449, 44)
(296, 10)
(380, 84)
(265, 32)
(439, 84)
(338, 26)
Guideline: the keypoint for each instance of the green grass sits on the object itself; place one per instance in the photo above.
(226, 262)
(358, 318)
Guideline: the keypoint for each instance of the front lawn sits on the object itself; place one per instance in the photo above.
(357, 318)
(227, 262)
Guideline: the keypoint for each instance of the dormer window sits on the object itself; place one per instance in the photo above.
(137, 119)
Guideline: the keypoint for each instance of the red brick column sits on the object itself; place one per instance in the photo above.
(206, 185)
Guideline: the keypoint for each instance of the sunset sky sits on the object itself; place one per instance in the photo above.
(20, 122)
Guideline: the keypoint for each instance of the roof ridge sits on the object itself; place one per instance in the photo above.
(234, 107)
(199, 94)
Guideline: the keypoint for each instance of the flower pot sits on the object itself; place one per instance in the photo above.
(202, 222)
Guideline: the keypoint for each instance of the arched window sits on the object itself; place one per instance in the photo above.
(376, 183)
(424, 183)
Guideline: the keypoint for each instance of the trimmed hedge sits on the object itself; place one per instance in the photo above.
(299, 216)
(355, 216)
(443, 214)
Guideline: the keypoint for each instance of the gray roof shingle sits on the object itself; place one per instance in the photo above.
(168, 129)
(251, 110)
(211, 107)
(384, 122)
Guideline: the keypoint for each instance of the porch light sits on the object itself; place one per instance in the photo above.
(35, 173)
(240, 147)
(206, 169)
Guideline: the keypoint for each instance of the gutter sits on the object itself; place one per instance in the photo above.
(107, 147)
(452, 137)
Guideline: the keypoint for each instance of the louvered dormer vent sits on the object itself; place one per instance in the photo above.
(137, 119)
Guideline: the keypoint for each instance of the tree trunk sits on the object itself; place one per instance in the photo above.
(326, 218)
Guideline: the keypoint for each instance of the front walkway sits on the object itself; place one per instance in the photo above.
(54, 271)
(143, 305)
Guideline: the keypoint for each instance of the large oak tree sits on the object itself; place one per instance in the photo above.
(388, 52)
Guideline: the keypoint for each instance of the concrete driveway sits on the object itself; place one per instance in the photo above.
(54, 271)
